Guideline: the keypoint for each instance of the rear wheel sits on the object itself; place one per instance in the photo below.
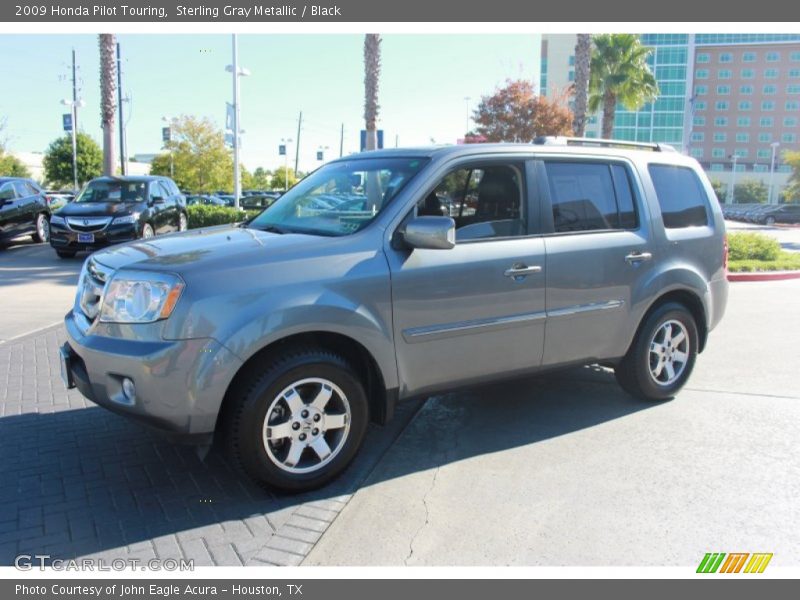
(662, 355)
(297, 422)
(42, 229)
(65, 254)
(770, 221)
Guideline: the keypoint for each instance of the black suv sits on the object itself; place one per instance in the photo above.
(23, 210)
(110, 210)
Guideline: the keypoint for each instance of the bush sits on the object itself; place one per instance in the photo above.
(786, 261)
(202, 215)
(752, 246)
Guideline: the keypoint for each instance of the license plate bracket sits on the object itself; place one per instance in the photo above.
(86, 238)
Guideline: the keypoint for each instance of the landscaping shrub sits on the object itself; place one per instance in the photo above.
(203, 215)
(752, 246)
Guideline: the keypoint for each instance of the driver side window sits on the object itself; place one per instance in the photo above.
(7, 191)
(484, 201)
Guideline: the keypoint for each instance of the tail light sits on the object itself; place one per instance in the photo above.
(725, 252)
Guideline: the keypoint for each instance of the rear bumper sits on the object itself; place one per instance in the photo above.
(179, 384)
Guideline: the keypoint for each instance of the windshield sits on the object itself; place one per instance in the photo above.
(113, 191)
(340, 198)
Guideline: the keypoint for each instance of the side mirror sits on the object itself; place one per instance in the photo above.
(154, 200)
(432, 233)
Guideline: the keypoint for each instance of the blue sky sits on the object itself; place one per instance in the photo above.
(423, 84)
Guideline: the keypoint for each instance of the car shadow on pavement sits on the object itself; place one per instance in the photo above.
(29, 262)
(83, 481)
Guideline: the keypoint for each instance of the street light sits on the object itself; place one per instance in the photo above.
(169, 121)
(772, 170)
(731, 197)
(236, 72)
(286, 142)
(74, 106)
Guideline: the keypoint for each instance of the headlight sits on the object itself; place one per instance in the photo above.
(56, 220)
(139, 297)
(126, 219)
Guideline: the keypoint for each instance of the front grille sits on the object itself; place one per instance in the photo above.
(88, 224)
(92, 286)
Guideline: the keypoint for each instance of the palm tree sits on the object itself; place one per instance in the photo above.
(372, 72)
(619, 74)
(108, 97)
(583, 57)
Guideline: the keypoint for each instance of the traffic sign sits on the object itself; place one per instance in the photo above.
(67, 121)
(364, 139)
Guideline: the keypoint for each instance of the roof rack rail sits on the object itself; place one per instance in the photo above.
(560, 140)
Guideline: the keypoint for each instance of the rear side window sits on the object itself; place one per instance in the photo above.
(590, 196)
(681, 195)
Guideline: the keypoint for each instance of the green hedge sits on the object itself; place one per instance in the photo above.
(203, 215)
(752, 246)
(786, 261)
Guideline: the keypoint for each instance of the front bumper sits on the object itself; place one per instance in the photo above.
(63, 238)
(179, 384)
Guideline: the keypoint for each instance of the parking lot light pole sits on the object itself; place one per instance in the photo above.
(168, 121)
(74, 104)
(286, 142)
(731, 196)
(772, 171)
(236, 72)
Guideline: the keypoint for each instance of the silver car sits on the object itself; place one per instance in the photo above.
(401, 273)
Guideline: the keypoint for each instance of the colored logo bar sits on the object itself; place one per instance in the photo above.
(734, 562)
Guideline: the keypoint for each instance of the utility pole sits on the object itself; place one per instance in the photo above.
(74, 91)
(123, 159)
(396, 140)
(237, 182)
(297, 148)
(341, 142)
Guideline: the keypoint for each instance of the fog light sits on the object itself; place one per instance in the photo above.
(129, 389)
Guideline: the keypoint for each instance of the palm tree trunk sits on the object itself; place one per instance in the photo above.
(108, 98)
(609, 108)
(372, 71)
(583, 55)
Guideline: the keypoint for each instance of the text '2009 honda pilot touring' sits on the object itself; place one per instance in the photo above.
(399, 273)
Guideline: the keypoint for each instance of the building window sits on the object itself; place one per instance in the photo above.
(717, 167)
(759, 168)
(723, 90)
(790, 122)
(792, 105)
(699, 121)
(743, 122)
(703, 57)
(724, 74)
(793, 89)
(794, 57)
(742, 152)
(726, 57)
(701, 74)
(749, 57)
(742, 138)
(746, 90)
(718, 153)
(771, 74)
(764, 138)
(698, 136)
(773, 56)
(722, 105)
(789, 138)
(784, 169)
(700, 90)
(767, 105)
(770, 90)
(571, 60)
(748, 73)
(697, 153)
(745, 105)
(764, 153)
(794, 73)
(721, 122)
(766, 122)
(700, 106)
(720, 137)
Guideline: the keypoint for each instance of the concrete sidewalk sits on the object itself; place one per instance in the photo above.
(568, 470)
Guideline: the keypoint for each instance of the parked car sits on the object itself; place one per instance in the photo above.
(256, 202)
(110, 210)
(286, 335)
(207, 200)
(58, 198)
(24, 210)
(781, 213)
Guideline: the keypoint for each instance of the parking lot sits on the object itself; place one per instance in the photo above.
(558, 470)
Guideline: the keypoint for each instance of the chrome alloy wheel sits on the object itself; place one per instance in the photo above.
(306, 425)
(669, 352)
(43, 228)
(183, 223)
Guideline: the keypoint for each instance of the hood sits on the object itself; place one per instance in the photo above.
(99, 209)
(204, 250)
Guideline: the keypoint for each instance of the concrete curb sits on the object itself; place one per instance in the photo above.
(764, 276)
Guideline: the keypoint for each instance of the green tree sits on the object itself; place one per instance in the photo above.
(279, 179)
(583, 59)
(514, 113)
(792, 191)
(261, 178)
(750, 191)
(619, 75)
(197, 156)
(57, 160)
(11, 166)
(720, 189)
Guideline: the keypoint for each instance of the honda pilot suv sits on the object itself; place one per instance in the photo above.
(396, 274)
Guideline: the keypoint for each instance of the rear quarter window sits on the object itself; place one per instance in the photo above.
(681, 196)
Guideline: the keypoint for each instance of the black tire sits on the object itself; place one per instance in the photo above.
(147, 231)
(242, 427)
(769, 221)
(42, 233)
(634, 370)
(65, 254)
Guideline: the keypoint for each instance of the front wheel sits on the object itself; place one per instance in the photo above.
(147, 231)
(183, 222)
(42, 233)
(298, 421)
(662, 355)
(770, 221)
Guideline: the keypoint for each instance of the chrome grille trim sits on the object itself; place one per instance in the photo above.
(88, 224)
(92, 287)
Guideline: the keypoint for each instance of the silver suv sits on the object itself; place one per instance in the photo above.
(401, 273)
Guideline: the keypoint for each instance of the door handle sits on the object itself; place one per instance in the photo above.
(520, 271)
(637, 257)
